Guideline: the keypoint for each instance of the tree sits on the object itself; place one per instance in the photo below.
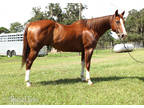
(16, 27)
(73, 12)
(132, 21)
(135, 25)
(38, 14)
(54, 12)
(141, 24)
(4, 30)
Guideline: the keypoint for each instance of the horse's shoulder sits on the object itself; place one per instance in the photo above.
(87, 31)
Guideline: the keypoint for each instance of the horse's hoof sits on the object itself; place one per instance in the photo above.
(83, 79)
(90, 82)
(28, 84)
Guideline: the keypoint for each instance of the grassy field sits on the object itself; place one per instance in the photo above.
(118, 80)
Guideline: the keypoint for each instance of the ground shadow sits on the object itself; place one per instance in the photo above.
(95, 80)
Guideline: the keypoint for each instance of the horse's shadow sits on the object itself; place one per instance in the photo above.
(95, 80)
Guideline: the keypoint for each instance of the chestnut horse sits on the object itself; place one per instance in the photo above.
(81, 36)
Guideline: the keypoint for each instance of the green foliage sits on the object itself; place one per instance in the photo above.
(4, 30)
(107, 37)
(73, 12)
(135, 37)
(16, 27)
(135, 25)
(105, 40)
(38, 14)
(54, 12)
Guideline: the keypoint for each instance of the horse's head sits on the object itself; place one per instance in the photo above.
(117, 24)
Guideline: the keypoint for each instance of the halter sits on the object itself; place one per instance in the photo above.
(117, 31)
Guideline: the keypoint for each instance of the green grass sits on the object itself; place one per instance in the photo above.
(118, 80)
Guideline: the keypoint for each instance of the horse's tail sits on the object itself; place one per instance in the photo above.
(26, 48)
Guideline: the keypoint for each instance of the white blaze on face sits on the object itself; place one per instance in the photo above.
(123, 28)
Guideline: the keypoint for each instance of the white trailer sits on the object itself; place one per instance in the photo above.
(11, 44)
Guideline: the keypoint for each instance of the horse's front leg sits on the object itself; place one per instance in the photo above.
(83, 65)
(88, 55)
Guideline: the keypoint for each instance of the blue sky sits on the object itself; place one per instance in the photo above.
(21, 10)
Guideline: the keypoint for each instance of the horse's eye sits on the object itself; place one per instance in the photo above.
(117, 22)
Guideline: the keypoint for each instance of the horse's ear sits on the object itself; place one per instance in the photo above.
(116, 12)
(123, 13)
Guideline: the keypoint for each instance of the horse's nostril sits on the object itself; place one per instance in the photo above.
(122, 36)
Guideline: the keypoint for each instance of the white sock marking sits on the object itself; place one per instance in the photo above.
(88, 78)
(27, 74)
(87, 75)
(122, 24)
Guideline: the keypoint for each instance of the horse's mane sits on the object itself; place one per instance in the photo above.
(95, 22)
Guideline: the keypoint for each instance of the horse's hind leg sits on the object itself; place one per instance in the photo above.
(32, 55)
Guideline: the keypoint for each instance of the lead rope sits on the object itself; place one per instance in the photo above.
(130, 54)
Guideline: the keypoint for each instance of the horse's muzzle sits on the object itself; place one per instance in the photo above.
(122, 36)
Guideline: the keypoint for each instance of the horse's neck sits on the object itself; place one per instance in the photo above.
(101, 25)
